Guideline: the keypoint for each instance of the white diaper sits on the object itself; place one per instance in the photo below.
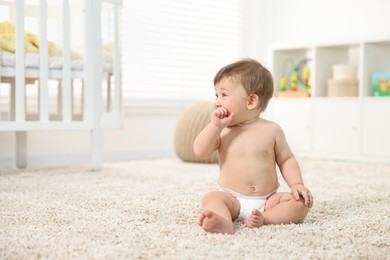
(248, 203)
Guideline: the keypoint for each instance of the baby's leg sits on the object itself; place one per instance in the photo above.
(283, 208)
(219, 210)
(256, 219)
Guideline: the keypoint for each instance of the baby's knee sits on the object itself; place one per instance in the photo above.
(300, 208)
(290, 197)
(302, 205)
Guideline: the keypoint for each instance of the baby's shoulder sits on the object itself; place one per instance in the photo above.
(271, 125)
(270, 128)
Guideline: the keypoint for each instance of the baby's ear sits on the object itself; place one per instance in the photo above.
(253, 101)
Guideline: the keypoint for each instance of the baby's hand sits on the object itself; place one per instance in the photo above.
(300, 190)
(221, 117)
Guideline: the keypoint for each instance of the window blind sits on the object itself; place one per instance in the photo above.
(173, 48)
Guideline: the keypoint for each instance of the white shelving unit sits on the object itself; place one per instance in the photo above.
(355, 127)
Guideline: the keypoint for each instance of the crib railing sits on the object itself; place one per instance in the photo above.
(95, 116)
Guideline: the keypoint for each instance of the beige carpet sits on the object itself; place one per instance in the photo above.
(149, 209)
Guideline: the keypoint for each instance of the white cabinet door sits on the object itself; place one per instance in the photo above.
(336, 128)
(295, 116)
(376, 128)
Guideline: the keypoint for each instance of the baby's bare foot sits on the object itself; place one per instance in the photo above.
(256, 219)
(214, 223)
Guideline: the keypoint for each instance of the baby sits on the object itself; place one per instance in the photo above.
(249, 148)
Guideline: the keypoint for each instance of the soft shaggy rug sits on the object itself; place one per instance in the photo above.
(149, 210)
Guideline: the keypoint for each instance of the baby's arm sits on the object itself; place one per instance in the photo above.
(290, 170)
(207, 140)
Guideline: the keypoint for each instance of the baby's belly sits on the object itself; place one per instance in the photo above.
(258, 187)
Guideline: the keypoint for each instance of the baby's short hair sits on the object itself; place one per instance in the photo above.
(254, 77)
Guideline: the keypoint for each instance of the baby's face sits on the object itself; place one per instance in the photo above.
(231, 95)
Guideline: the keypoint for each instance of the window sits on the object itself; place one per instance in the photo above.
(172, 49)
(4, 13)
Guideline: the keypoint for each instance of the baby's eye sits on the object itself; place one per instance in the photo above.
(222, 95)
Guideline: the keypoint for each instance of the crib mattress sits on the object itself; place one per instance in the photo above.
(32, 61)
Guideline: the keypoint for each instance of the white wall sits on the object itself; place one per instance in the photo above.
(148, 133)
(306, 21)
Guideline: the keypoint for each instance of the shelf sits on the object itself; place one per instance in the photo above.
(293, 94)
(353, 126)
(376, 59)
(285, 60)
(327, 57)
(367, 57)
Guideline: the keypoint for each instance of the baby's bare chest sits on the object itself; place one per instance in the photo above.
(255, 143)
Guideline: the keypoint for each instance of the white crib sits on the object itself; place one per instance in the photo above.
(87, 88)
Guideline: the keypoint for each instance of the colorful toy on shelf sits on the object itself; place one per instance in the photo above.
(299, 76)
(294, 80)
(283, 80)
(380, 84)
(283, 84)
(306, 75)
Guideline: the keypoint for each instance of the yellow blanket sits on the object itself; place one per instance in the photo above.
(31, 41)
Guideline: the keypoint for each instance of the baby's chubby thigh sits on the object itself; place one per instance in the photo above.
(222, 203)
(282, 207)
(278, 198)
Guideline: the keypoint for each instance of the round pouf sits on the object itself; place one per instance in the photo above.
(190, 123)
